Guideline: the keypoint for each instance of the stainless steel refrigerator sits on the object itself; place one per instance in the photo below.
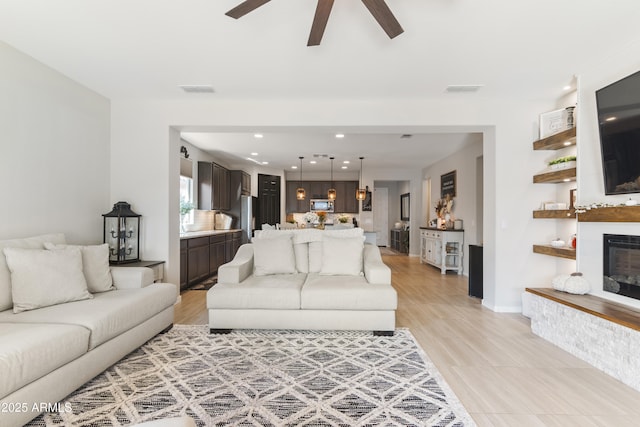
(243, 210)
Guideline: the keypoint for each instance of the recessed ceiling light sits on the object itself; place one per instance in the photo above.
(346, 162)
(265, 163)
(610, 119)
(313, 162)
(567, 180)
(345, 167)
(567, 87)
(567, 143)
(339, 135)
(258, 135)
(254, 154)
(197, 88)
(294, 167)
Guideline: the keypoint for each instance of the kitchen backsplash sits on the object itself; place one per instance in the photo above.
(202, 220)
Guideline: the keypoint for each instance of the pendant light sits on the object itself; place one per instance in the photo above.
(331, 193)
(300, 193)
(361, 193)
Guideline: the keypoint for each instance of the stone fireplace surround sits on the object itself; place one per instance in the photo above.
(608, 346)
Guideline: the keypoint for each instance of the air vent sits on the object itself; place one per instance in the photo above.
(463, 88)
(197, 88)
(406, 136)
(321, 156)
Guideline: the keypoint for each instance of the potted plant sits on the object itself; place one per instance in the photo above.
(565, 162)
(343, 219)
(185, 208)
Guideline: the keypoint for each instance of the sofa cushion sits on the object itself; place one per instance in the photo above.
(40, 278)
(346, 293)
(29, 352)
(36, 242)
(108, 314)
(274, 256)
(280, 291)
(342, 256)
(95, 265)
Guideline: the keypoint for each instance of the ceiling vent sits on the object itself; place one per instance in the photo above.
(406, 136)
(197, 88)
(321, 156)
(463, 88)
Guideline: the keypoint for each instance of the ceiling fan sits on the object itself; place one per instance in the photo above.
(378, 9)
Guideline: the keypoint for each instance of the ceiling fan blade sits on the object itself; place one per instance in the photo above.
(384, 16)
(245, 7)
(323, 10)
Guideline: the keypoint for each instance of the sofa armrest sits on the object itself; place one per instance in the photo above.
(239, 268)
(131, 277)
(375, 271)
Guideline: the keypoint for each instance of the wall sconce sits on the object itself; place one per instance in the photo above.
(183, 150)
(122, 233)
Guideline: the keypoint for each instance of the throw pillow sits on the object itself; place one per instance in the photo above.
(342, 256)
(36, 242)
(40, 278)
(95, 265)
(273, 256)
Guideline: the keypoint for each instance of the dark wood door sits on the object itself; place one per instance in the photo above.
(268, 200)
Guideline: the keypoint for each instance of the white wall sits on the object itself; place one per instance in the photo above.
(616, 65)
(465, 203)
(54, 152)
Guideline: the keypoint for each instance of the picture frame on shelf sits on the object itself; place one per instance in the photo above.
(553, 122)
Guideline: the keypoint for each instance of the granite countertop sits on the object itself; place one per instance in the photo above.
(203, 233)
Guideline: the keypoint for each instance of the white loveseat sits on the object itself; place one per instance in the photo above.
(49, 347)
(304, 279)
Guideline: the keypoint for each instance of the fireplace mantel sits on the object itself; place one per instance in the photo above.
(611, 214)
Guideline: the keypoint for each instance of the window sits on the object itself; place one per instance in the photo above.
(186, 191)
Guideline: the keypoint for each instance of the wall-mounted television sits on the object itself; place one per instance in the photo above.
(618, 107)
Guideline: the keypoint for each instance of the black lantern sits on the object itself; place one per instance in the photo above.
(122, 233)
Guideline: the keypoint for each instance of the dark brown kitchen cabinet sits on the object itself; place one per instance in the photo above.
(213, 186)
(197, 260)
(183, 264)
(294, 205)
(233, 242)
(345, 201)
(217, 252)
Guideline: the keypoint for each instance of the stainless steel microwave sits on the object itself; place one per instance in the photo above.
(318, 205)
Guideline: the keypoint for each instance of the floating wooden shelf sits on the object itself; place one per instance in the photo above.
(568, 253)
(612, 214)
(558, 176)
(555, 214)
(557, 141)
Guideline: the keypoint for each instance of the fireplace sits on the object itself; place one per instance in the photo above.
(622, 265)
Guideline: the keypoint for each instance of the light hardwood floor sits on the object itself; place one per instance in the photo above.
(503, 374)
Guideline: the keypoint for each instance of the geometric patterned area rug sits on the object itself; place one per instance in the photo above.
(268, 378)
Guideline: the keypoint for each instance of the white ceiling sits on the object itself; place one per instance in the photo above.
(146, 48)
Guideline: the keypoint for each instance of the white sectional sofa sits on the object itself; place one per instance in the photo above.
(304, 279)
(55, 335)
